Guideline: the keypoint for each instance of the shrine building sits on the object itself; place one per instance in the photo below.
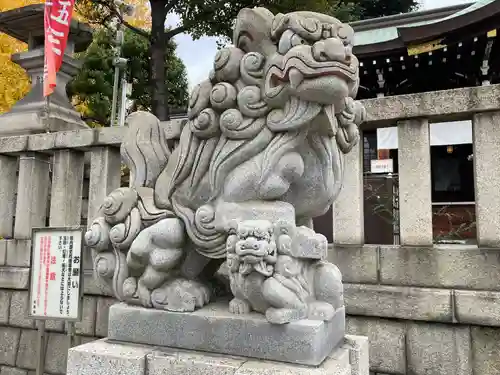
(424, 51)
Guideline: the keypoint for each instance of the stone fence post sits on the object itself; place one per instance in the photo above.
(486, 138)
(348, 216)
(415, 202)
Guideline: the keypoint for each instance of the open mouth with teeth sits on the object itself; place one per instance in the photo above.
(252, 259)
(296, 71)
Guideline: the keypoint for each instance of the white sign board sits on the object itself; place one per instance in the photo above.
(441, 134)
(56, 274)
(382, 166)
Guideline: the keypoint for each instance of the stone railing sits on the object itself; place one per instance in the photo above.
(426, 309)
(52, 179)
(412, 115)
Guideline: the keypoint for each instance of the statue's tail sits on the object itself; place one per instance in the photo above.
(128, 210)
(144, 149)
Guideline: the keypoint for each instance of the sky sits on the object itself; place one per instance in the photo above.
(198, 55)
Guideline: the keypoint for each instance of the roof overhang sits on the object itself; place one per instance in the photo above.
(445, 24)
(466, 18)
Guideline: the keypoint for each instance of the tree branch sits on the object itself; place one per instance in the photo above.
(116, 13)
(170, 5)
(133, 28)
(171, 33)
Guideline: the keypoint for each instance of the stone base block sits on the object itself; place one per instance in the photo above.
(214, 329)
(108, 357)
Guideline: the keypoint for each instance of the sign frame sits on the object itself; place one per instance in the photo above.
(76, 228)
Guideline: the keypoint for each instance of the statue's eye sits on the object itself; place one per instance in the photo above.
(288, 40)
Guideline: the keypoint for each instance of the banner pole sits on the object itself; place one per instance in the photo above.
(47, 113)
(40, 363)
(71, 334)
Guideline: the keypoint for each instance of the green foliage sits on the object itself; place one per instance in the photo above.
(92, 88)
(215, 18)
(364, 9)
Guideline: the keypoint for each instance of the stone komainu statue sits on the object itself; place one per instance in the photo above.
(261, 155)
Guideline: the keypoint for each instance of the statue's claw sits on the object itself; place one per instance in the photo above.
(181, 295)
(283, 316)
(319, 310)
(239, 306)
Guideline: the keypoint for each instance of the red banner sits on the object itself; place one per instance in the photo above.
(57, 22)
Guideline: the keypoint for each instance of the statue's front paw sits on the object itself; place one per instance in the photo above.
(284, 316)
(239, 306)
(181, 295)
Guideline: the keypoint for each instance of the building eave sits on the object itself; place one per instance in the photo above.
(422, 33)
(407, 18)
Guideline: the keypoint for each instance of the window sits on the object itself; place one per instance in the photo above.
(452, 173)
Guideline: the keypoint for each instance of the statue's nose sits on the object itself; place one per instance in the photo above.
(331, 49)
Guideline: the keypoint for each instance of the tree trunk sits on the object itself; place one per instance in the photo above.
(159, 92)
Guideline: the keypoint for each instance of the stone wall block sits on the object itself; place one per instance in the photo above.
(8, 188)
(14, 277)
(82, 340)
(485, 350)
(192, 363)
(19, 253)
(7, 370)
(102, 316)
(103, 358)
(398, 302)
(477, 307)
(87, 325)
(32, 194)
(19, 310)
(387, 342)
(438, 349)
(27, 355)
(450, 266)
(358, 264)
(9, 344)
(56, 354)
(358, 354)
(5, 296)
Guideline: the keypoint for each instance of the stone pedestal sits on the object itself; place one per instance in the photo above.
(31, 114)
(108, 357)
(214, 329)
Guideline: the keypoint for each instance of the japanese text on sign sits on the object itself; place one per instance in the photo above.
(57, 19)
(56, 274)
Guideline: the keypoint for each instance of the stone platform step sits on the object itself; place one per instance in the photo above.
(106, 357)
